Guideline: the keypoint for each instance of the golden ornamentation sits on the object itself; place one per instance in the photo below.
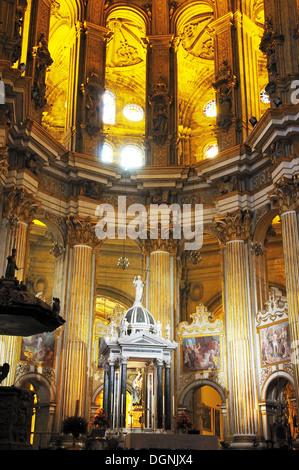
(82, 231)
(19, 205)
(201, 323)
(234, 227)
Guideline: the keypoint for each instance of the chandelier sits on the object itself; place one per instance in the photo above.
(123, 263)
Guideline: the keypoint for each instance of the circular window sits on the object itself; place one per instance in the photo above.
(210, 109)
(131, 157)
(211, 151)
(107, 153)
(264, 97)
(133, 112)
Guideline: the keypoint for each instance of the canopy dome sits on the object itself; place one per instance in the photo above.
(137, 318)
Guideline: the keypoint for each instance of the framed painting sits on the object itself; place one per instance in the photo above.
(38, 348)
(275, 343)
(200, 353)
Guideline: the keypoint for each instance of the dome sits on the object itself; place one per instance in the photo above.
(137, 318)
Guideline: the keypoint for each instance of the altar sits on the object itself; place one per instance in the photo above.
(139, 441)
(136, 344)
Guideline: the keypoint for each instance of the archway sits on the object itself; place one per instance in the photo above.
(41, 420)
(281, 411)
(205, 403)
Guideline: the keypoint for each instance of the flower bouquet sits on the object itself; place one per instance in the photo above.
(100, 422)
(184, 422)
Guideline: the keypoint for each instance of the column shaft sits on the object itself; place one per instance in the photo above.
(167, 399)
(159, 396)
(290, 240)
(77, 335)
(123, 400)
(243, 400)
(159, 296)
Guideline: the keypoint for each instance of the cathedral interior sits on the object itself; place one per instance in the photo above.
(121, 106)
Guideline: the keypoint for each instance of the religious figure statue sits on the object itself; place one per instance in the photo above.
(137, 386)
(11, 265)
(139, 285)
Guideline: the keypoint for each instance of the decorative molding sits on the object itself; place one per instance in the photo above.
(276, 309)
(202, 323)
(19, 205)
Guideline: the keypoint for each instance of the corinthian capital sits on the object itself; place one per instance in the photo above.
(234, 227)
(82, 231)
(285, 194)
(19, 206)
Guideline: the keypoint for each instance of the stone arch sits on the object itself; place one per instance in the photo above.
(185, 395)
(261, 227)
(275, 375)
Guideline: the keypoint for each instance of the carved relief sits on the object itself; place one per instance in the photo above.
(276, 309)
(19, 206)
(42, 61)
(82, 231)
(196, 40)
(285, 195)
(234, 227)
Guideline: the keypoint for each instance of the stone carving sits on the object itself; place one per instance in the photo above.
(285, 195)
(19, 206)
(90, 189)
(160, 102)
(224, 85)
(3, 161)
(19, 21)
(42, 61)
(93, 90)
(82, 231)
(201, 323)
(234, 227)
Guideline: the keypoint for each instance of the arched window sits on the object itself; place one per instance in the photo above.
(211, 151)
(131, 156)
(109, 107)
(210, 109)
(106, 153)
(133, 112)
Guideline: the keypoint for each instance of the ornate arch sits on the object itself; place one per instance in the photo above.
(41, 379)
(274, 375)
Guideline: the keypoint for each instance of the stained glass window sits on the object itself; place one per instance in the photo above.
(133, 112)
(264, 97)
(211, 151)
(131, 156)
(109, 108)
(107, 153)
(210, 109)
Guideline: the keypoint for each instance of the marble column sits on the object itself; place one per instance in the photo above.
(167, 394)
(123, 391)
(286, 199)
(234, 231)
(111, 391)
(160, 398)
(106, 390)
(75, 379)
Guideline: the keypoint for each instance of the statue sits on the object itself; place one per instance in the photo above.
(139, 285)
(11, 265)
(137, 386)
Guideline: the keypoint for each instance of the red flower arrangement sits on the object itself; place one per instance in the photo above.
(100, 419)
(184, 422)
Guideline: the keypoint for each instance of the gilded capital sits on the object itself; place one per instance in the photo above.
(82, 232)
(19, 206)
(160, 244)
(234, 226)
(285, 195)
